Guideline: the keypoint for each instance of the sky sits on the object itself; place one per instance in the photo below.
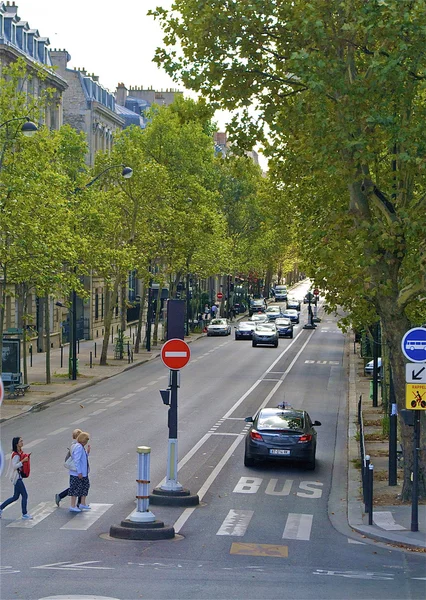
(112, 39)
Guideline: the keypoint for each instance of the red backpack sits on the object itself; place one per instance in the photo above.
(26, 467)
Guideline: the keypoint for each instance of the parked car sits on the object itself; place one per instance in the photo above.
(273, 312)
(257, 305)
(219, 327)
(293, 303)
(284, 327)
(281, 434)
(265, 334)
(292, 314)
(244, 329)
(368, 369)
(280, 292)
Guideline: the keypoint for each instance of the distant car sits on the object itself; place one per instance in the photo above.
(257, 305)
(258, 318)
(280, 292)
(244, 330)
(284, 327)
(219, 327)
(281, 434)
(368, 369)
(273, 312)
(293, 303)
(265, 334)
(292, 314)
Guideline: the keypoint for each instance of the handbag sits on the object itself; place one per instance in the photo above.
(69, 462)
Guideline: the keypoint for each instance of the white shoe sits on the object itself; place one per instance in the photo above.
(74, 509)
(27, 517)
(84, 507)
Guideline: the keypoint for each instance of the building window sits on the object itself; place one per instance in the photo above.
(132, 286)
(102, 305)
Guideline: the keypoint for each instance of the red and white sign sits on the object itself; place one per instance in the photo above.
(175, 354)
(219, 295)
(316, 292)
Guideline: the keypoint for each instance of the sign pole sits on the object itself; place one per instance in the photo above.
(393, 434)
(415, 487)
(172, 483)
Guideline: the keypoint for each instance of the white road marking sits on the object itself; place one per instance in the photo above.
(219, 433)
(116, 402)
(5, 570)
(128, 396)
(152, 382)
(104, 400)
(385, 520)
(141, 389)
(355, 574)
(298, 527)
(285, 491)
(69, 566)
(61, 430)
(236, 522)
(97, 412)
(33, 443)
(351, 541)
(82, 521)
(39, 513)
(80, 421)
(74, 401)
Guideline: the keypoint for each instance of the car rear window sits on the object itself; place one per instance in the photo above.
(280, 421)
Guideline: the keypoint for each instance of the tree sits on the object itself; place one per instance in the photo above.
(341, 87)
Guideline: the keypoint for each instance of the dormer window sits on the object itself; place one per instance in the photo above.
(13, 34)
(1, 25)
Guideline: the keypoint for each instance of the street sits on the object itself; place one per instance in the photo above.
(271, 531)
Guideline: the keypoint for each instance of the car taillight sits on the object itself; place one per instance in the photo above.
(305, 438)
(255, 435)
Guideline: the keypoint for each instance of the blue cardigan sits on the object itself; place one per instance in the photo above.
(81, 461)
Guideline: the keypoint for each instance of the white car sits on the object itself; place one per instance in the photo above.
(368, 369)
(273, 312)
(219, 327)
(291, 314)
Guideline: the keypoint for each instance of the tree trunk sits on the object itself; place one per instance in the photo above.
(47, 333)
(140, 320)
(24, 302)
(157, 315)
(123, 305)
(109, 311)
(2, 312)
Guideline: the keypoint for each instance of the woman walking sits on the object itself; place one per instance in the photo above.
(17, 460)
(61, 495)
(79, 478)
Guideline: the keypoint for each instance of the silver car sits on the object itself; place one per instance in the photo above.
(219, 327)
(265, 334)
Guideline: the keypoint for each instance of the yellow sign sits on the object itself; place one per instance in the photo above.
(415, 396)
(259, 550)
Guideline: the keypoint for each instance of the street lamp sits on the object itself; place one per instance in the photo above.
(126, 173)
(28, 128)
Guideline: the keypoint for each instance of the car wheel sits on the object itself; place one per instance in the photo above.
(310, 465)
(276, 345)
(248, 460)
(236, 337)
(254, 344)
(291, 335)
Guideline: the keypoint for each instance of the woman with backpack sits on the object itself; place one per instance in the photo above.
(18, 469)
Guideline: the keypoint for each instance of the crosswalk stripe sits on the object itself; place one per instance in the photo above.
(385, 520)
(39, 512)
(34, 443)
(79, 421)
(97, 412)
(298, 527)
(60, 430)
(236, 522)
(114, 403)
(82, 521)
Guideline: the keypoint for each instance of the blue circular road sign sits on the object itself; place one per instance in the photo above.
(413, 344)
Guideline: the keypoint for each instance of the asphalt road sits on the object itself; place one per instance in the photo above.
(271, 531)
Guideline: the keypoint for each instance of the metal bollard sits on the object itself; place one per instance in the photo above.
(142, 514)
(95, 349)
(62, 356)
(370, 490)
(91, 360)
(133, 338)
(132, 355)
(78, 346)
(30, 350)
(112, 334)
(365, 481)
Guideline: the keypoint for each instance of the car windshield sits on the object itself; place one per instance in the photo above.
(245, 325)
(265, 327)
(273, 309)
(218, 322)
(282, 321)
(280, 420)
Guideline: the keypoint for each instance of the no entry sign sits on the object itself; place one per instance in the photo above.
(175, 354)
(219, 295)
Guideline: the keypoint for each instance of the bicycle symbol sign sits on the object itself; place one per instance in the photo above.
(413, 344)
(415, 396)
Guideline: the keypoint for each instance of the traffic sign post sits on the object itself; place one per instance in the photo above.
(413, 346)
(219, 295)
(175, 354)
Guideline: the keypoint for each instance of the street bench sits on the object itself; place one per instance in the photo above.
(18, 390)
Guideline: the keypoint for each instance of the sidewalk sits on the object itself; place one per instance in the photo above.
(391, 522)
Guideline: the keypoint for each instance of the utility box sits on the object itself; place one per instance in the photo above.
(175, 319)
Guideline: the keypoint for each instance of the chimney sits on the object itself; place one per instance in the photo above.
(121, 94)
(60, 58)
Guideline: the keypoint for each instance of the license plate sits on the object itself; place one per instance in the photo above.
(279, 452)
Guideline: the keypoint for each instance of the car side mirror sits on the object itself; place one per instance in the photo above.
(316, 423)
(248, 419)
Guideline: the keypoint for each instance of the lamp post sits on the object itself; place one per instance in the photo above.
(28, 129)
(126, 173)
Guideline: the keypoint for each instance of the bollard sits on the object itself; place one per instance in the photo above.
(62, 356)
(91, 361)
(30, 349)
(112, 334)
(142, 514)
(370, 491)
(78, 346)
(133, 338)
(132, 355)
(128, 347)
(365, 480)
(95, 349)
